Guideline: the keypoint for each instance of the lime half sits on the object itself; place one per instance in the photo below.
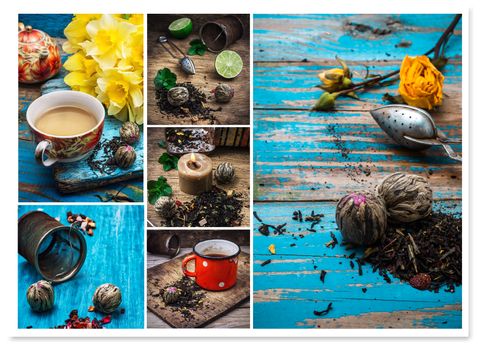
(181, 28)
(228, 64)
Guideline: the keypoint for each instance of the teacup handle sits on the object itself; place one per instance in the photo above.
(40, 155)
(184, 266)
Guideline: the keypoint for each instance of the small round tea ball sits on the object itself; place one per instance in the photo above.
(224, 173)
(125, 156)
(107, 298)
(171, 295)
(177, 96)
(165, 207)
(223, 93)
(408, 197)
(361, 218)
(129, 133)
(40, 296)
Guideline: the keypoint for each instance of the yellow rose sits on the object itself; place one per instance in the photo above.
(420, 82)
(334, 80)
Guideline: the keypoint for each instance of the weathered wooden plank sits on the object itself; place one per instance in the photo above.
(36, 183)
(237, 111)
(114, 255)
(238, 156)
(290, 285)
(313, 156)
(237, 318)
(288, 85)
(299, 37)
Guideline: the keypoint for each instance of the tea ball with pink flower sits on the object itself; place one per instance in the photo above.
(362, 218)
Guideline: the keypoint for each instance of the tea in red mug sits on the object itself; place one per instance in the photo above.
(215, 264)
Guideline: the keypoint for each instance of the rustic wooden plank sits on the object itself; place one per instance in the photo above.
(237, 318)
(312, 156)
(215, 304)
(237, 111)
(114, 255)
(291, 282)
(299, 37)
(238, 156)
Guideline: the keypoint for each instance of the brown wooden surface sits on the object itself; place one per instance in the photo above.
(217, 305)
(237, 111)
(239, 157)
(189, 238)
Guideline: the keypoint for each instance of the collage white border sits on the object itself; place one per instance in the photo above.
(210, 6)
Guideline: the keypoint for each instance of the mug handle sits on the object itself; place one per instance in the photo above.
(184, 266)
(40, 155)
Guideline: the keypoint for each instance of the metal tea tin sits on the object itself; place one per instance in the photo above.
(163, 243)
(219, 34)
(57, 251)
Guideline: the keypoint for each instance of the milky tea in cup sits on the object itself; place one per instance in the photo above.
(66, 121)
(66, 125)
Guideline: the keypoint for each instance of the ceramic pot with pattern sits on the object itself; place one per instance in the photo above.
(38, 55)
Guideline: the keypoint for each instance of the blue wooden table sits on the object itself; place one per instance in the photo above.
(306, 161)
(115, 254)
(36, 182)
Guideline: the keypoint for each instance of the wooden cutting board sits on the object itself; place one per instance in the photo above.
(215, 304)
(78, 176)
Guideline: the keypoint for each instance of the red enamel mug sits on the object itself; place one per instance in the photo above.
(215, 264)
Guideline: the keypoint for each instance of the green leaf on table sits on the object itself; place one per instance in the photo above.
(158, 188)
(162, 144)
(165, 79)
(168, 161)
(197, 48)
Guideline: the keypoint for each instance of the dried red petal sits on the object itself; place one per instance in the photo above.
(91, 308)
(178, 203)
(106, 319)
(421, 281)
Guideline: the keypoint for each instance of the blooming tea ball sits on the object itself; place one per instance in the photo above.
(107, 298)
(166, 207)
(361, 218)
(224, 173)
(40, 296)
(129, 133)
(171, 295)
(408, 197)
(125, 156)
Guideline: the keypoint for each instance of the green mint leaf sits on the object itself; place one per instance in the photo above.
(165, 79)
(158, 188)
(168, 161)
(197, 47)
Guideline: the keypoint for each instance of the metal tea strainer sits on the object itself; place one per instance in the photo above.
(187, 65)
(56, 251)
(413, 128)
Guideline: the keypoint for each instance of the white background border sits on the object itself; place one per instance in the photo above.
(470, 9)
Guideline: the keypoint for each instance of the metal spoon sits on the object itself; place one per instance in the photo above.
(187, 65)
(413, 128)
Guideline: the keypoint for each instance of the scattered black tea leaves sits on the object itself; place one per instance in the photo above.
(255, 214)
(324, 312)
(322, 275)
(266, 262)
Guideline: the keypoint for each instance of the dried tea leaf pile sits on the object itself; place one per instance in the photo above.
(431, 246)
(194, 108)
(191, 297)
(215, 208)
(102, 160)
